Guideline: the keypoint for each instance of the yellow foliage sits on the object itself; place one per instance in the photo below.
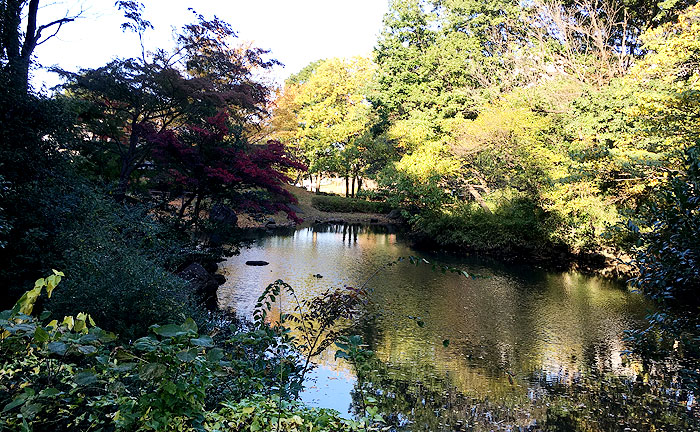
(428, 160)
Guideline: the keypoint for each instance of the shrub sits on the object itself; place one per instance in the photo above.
(71, 375)
(348, 205)
(516, 225)
(263, 414)
(120, 262)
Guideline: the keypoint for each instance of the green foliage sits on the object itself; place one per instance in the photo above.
(517, 227)
(71, 375)
(263, 414)
(348, 205)
(328, 113)
(443, 58)
(119, 261)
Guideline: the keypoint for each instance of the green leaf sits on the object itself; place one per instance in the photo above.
(85, 378)
(87, 349)
(49, 392)
(203, 341)
(247, 410)
(146, 344)
(189, 325)
(169, 330)
(124, 367)
(187, 356)
(29, 411)
(215, 355)
(15, 403)
(41, 335)
(88, 338)
(152, 371)
(170, 387)
(58, 348)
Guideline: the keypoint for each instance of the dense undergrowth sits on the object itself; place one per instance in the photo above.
(69, 374)
(348, 205)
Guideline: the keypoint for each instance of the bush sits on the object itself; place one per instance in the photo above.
(119, 263)
(517, 225)
(348, 205)
(71, 375)
(264, 414)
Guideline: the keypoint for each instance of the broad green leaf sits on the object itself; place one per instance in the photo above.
(146, 344)
(85, 378)
(169, 330)
(187, 356)
(29, 411)
(189, 325)
(215, 355)
(203, 341)
(87, 349)
(41, 335)
(49, 392)
(152, 371)
(57, 348)
(15, 403)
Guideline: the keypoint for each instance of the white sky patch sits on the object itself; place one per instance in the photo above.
(296, 32)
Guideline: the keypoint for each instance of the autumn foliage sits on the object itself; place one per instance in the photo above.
(203, 161)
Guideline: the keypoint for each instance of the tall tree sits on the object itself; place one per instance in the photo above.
(20, 34)
(332, 113)
(443, 57)
(167, 90)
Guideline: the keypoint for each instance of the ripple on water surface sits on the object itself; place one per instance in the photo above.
(510, 333)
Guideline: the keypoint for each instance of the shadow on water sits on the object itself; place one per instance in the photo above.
(519, 349)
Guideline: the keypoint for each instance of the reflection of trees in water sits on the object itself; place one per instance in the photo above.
(610, 403)
(419, 398)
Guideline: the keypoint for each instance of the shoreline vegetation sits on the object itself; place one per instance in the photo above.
(604, 262)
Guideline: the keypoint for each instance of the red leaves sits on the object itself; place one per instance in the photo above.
(202, 160)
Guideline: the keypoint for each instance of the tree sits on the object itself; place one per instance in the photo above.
(444, 57)
(204, 162)
(165, 91)
(597, 40)
(330, 112)
(17, 45)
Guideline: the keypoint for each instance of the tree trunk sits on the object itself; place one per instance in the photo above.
(318, 182)
(123, 184)
(195, 218)
(19, 52)
(347, 185)
(359, 184)
(477, 196)
(353, 186)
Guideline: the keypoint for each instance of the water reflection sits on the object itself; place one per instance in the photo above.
(513, 335)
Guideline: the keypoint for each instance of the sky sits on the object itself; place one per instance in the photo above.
(296, 31)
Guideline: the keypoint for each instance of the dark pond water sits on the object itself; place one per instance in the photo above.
(515, 336)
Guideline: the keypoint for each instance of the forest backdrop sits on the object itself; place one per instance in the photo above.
(545, 130)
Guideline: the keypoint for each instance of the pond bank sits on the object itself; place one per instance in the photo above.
(607, 263)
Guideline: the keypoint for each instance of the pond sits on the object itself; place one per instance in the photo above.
(451, 353)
